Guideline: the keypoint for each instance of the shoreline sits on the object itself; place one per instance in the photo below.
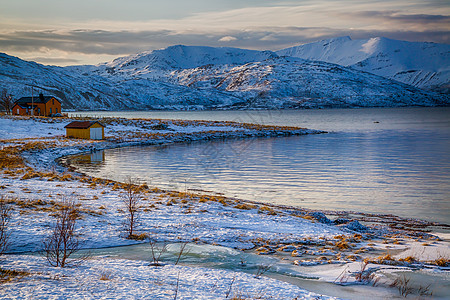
(254, 216)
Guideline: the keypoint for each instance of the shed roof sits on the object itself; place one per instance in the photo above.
(82, 124)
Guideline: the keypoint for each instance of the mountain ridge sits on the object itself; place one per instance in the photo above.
(200, 77)
(422, 64)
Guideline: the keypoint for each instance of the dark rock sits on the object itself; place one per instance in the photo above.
(356, 226)
(340, 221)
(320, 216)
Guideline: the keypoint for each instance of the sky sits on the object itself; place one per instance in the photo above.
(61, 32)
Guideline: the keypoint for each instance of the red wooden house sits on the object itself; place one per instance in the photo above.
(37, 106)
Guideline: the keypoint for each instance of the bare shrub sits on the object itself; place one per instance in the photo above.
(6, 101)
(62, 242)
(425, 290)
(5, 216)
(156, 254)
(231, 286)
(261, 270)
(131, 199)
(365, 275)
(177, 285)
(402, 284)
(180, 254)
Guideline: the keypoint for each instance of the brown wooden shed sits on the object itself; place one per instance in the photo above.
(93, 130)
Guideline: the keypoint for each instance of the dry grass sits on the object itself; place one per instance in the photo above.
(342, 245)
(409, 259)
(138, 237)
(442, 262)
(8, 275)
(10, 158)
(245, 206)
(267, 210)
(307, 217)
(105, 276)
(171, 202)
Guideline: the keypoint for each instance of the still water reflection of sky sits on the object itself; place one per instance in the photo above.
(373, 160)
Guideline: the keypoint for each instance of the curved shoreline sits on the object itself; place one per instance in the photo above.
(176, 217)
(245, 131)
(399, 222)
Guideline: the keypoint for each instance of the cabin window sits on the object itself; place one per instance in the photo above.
(50, 111)
(53, 100)
(56, 110)
(17, 111)
(39, 110)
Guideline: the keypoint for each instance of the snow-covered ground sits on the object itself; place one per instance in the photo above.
(302, 240)
(104, 278)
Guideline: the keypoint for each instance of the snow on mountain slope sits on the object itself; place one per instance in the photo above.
(154, 64)
(87, 90)
(184, 77)
(75, 90)
(294, 83)
(81, 87)
(424, 65)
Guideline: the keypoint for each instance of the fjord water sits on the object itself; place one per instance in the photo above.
(378, 160)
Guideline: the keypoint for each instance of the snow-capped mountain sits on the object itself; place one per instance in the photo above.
(88, 91)
(189, 77)
(154, 64)
(423, 65)
(295, 83)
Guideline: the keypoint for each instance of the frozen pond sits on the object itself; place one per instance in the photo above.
(306, 277)
(394, 161)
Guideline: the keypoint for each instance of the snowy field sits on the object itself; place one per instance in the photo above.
(303, 241)
(103, 278)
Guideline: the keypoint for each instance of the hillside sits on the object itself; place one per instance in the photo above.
(423, 65)
(191, 77)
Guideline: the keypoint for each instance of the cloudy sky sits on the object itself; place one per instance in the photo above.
(68, 32)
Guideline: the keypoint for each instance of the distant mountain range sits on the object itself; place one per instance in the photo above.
(333, 73)
(423, 65)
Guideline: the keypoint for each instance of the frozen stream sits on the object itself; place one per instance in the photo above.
(282, 269)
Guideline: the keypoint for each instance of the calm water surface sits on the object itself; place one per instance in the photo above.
(372, 160)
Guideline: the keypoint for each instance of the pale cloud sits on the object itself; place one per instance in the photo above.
(274, 26)
(227, 38)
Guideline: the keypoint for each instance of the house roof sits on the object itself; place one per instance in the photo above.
(39, 99)
(82, 124)
(25, 105)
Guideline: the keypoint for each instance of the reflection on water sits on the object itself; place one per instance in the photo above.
(94, 158)
(400, 165)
